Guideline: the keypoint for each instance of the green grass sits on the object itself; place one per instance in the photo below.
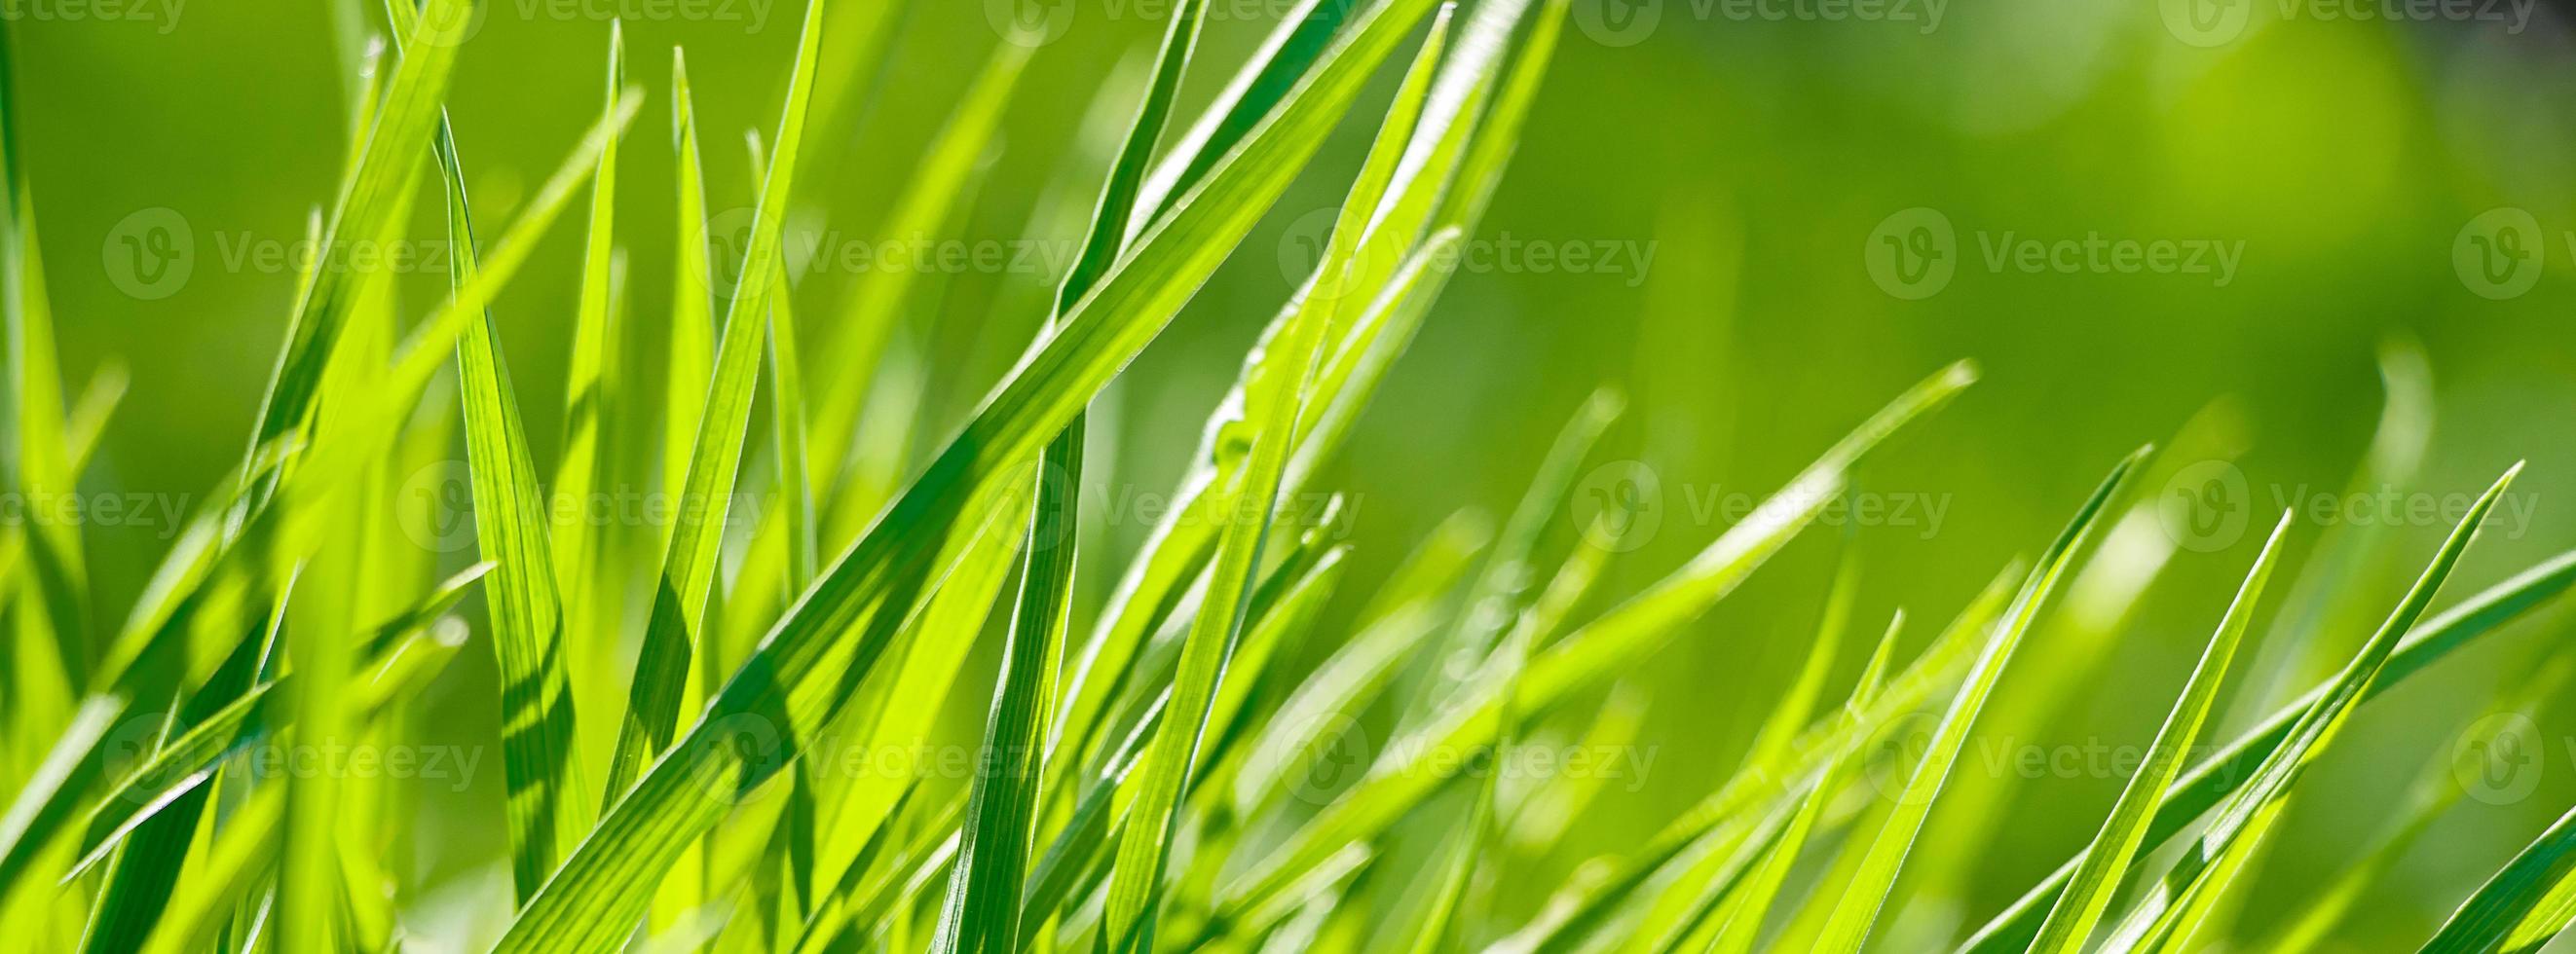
(1159, 757)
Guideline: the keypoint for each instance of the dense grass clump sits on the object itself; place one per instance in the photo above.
(694, 711)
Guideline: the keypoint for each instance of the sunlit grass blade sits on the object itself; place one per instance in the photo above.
(2168, 915)
(593, 395)
(1617, 639)
(2523, 906)
(689, 564)
(2228, 770)
(1857, 913)
(804, 669)
(856, 346)
(692, 333)
(2097, 879)
(1750, 906)
(1249, 477)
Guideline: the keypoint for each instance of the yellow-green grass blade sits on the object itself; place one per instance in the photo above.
(1751, 905)
(2097, 878)
(592, 397)
(1405, 609)
(2231, 766)
(2168, 914)
(2523, 905)
(396, 143)
(1618, 639)
(547, 806)
(688, 566)
(692, 333)
(1251, 469)
(1856, 914)
(805, 668)
(236, 864)
(931, 200)
(1501, 591)
(146, 865)
(1678, 922)
(2436, 791)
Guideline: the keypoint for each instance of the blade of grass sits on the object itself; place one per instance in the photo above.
(2097, 878)
(805, 667)
(1251, 469)
(1857, 913)
(2522, 906)
(1611, 643)
(688, 566)
(2227, 771)
(2167, 916)
(592, 397)
(1737, 931)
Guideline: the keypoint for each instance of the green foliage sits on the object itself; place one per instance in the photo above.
(1214, 733)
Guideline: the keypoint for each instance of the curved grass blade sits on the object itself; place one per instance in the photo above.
(2523, 906)
(591, 400)
(1250, 472)
(1611, 643)
(1751, 905)
(2097, 879)
(2226, 772)
(1857, 912)
(2169, 914)
(688, 565)
(804, 669)
(983, 908)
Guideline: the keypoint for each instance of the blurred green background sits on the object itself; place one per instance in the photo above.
(1761, 154)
